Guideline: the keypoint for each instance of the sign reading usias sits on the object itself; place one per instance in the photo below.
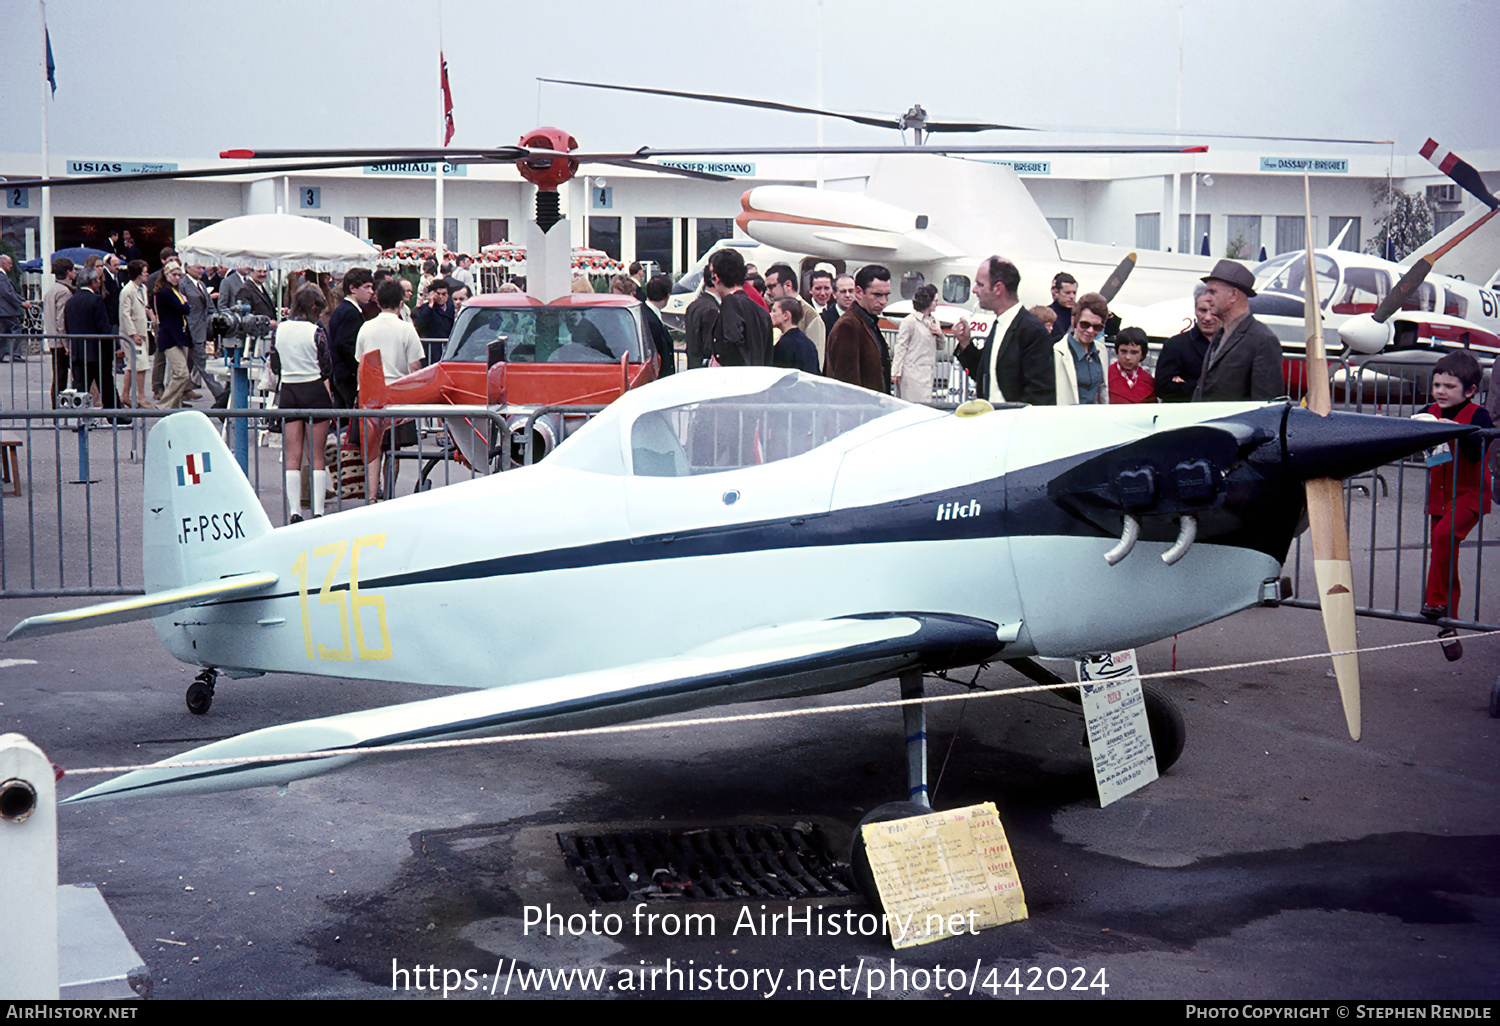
(114, 167)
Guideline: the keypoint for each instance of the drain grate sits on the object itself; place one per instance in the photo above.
(707, 864)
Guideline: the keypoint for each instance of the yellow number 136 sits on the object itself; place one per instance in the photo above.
(350, 606)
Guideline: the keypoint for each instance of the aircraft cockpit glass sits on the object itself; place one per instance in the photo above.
(546, 334)
(792, 417)
(956, 289)
(910, 282)
(1287, 272)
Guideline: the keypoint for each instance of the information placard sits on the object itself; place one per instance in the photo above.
(945, 874)
(1119, 736)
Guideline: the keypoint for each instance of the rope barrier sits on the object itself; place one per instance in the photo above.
(706, 721)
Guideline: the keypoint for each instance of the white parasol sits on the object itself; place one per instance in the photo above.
(279, 242)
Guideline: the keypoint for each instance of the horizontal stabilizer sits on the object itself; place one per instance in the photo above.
(771, 662)
(141, 607)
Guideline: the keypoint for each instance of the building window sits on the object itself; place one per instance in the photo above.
(493, 230)
(1443, 218)
(197, 224)
(325, 220)
(1244, 237)
(351, 225)
(1148, 231)
(1062, 227)
(1336, 225)
(1291, 233)
(711, 230)
(604, 234)
(450, 232)
(1192, 241)
(653, 241)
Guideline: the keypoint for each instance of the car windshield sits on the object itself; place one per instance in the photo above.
(547, 334)
(1286, 273)
(793, 416)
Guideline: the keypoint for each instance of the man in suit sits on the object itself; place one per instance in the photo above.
(1020, 366)
(856, 347)
(1244, 361)
(658, 291)
(200, 306)
(843, 299)
(11, 308)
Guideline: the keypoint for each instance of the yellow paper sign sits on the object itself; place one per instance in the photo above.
(945, 874)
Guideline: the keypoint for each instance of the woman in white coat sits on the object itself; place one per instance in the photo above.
(914, 357)
(133, 325)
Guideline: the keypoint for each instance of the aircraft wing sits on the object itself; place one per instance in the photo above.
(771, 662)
(140, 607)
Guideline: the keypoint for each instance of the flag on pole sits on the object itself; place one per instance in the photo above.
(447, 102)
(52, 69)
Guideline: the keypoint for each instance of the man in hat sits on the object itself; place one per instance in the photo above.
(1244, 361)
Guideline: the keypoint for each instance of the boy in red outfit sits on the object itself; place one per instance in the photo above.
(1129, 382)
(1457, 488)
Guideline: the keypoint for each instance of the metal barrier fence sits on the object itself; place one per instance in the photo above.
(73, 488)
(73, 481)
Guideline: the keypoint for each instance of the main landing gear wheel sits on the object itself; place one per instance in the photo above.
(1168, 732)
(200, 693)
(1495, 700)
(859, 861)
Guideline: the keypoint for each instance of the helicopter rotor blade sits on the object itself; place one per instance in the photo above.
(665, 169)
(813, 150)
(791, 108)
(216, 172)
(1325, 509)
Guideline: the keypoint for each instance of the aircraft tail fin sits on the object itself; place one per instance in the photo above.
(198, 504)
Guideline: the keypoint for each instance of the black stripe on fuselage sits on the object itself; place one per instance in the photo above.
(1012, 505)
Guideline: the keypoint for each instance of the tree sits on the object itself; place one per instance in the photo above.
(1404, 224)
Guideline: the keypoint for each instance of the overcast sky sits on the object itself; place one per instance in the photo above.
(174, 79)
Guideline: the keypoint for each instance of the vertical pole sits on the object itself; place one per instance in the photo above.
(28, 851)
(239, 399)
(439, 234)
(47, 240)
(915, 719)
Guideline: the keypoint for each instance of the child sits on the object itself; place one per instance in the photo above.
(1457, 491)
(1129, 382)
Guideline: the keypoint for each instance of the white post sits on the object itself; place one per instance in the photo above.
(28, 851)
(1193, 214)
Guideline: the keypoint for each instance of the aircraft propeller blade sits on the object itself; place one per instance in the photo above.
(1461, 171)
(1325, 510)
(1412, 280)
(1116, 280)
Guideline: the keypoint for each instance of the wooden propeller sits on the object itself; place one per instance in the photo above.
(1325, 511)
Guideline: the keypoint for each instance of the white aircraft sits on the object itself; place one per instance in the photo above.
(761, 504)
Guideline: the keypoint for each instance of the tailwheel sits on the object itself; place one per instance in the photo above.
(200, 693)
(1168, 732)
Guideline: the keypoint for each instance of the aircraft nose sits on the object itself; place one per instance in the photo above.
(1343, 444)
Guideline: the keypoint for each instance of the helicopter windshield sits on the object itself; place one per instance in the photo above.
(1287, 273)
(547, 334)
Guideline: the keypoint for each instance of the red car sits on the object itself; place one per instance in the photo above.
(582, 349)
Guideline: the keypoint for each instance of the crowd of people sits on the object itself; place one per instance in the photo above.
(1052, 354)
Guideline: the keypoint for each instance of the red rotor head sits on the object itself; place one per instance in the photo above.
(548, 172)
